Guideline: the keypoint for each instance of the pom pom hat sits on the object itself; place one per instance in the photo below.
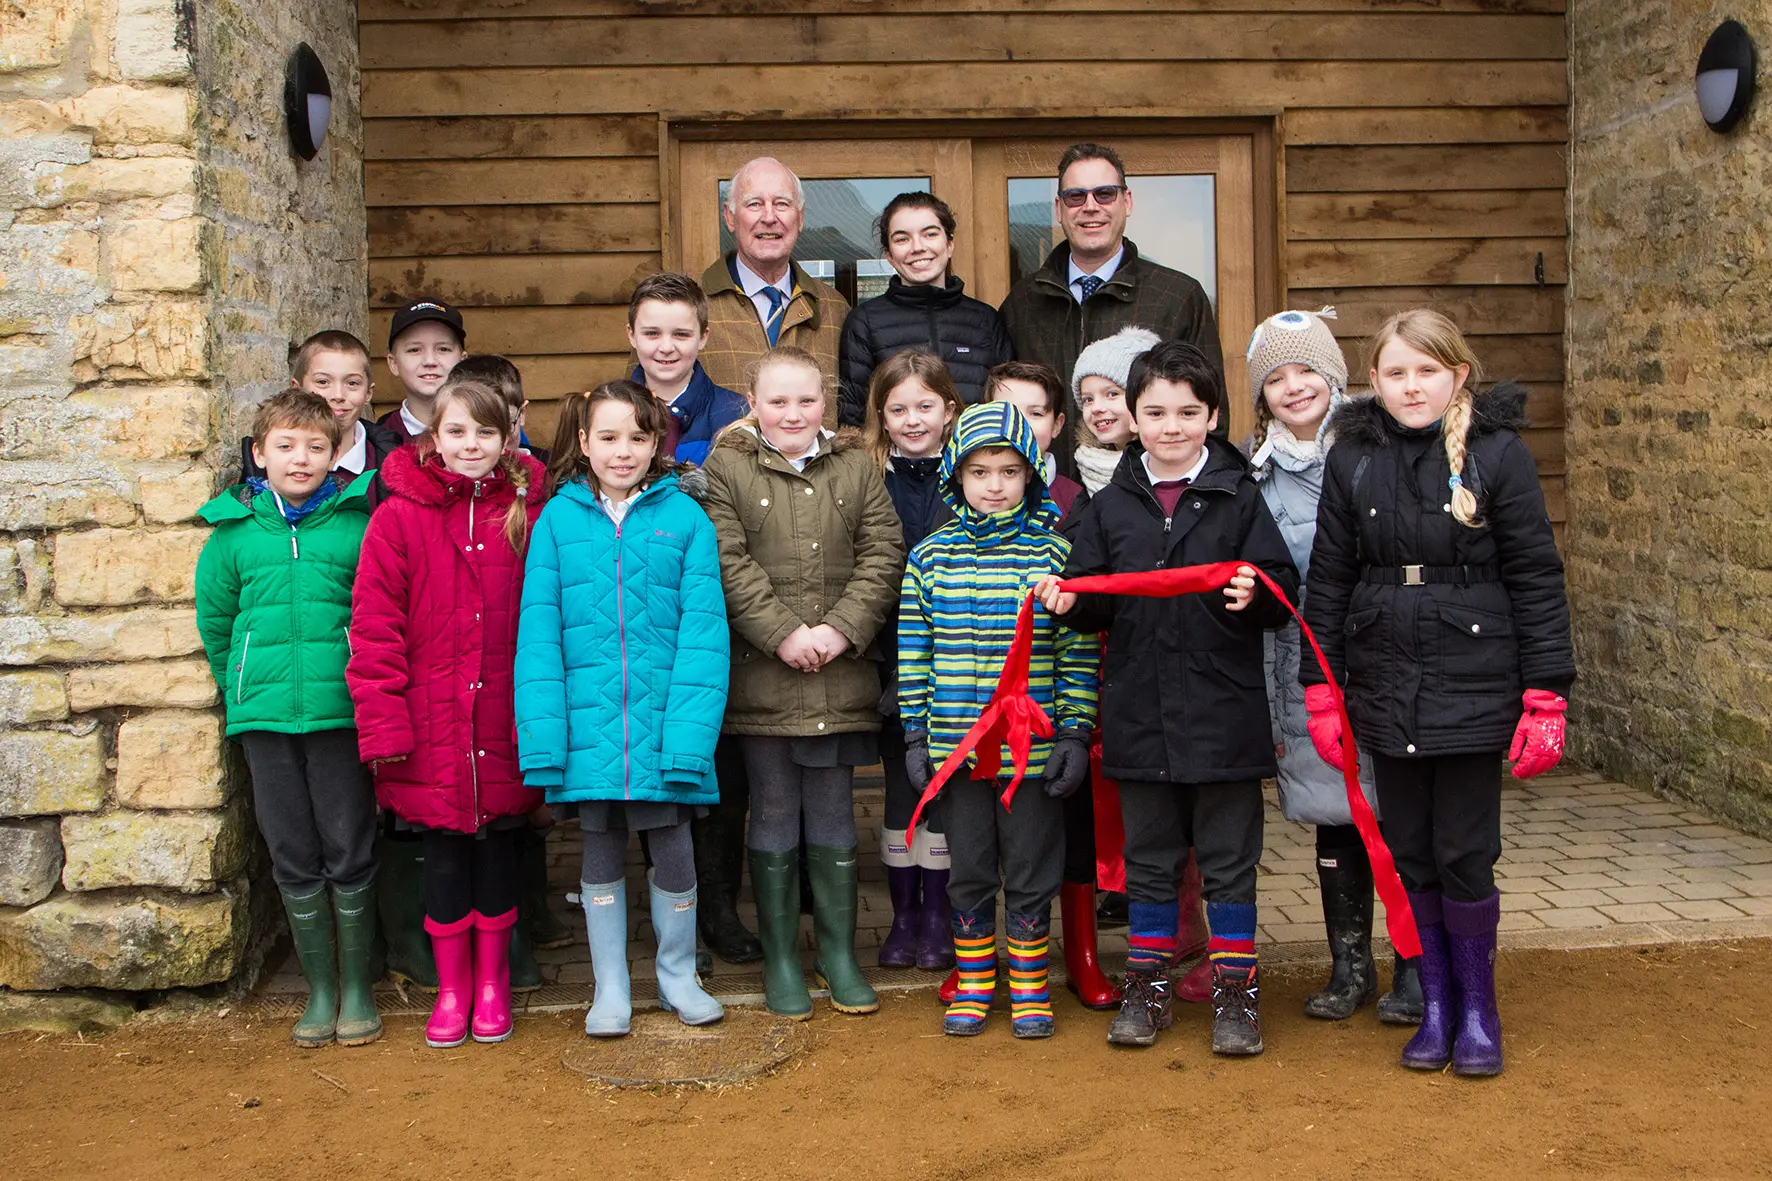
(1112, 356)
(1295, 338)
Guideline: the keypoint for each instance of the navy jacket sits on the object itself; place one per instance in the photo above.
(701, 410)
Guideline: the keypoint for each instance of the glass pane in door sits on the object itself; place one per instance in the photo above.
(837, 240)
(1173, 221)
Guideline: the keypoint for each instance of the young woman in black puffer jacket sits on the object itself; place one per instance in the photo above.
(1436, 592)
(924, 307)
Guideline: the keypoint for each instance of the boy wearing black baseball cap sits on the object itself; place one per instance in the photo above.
(425, 342)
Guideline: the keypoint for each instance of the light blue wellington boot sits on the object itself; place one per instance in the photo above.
(673, 917)
(606, 923)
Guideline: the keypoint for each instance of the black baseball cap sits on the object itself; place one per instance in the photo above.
(421, 310)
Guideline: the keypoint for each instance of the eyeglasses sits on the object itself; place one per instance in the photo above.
(1103, 194)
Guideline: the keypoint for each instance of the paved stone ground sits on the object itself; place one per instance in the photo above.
(1585, 863)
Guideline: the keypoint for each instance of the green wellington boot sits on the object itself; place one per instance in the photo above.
(400, 897)
(310, 926)
(775, 880)
(358, 1022)
(835, 874)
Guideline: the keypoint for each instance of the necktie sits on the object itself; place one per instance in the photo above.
(772, 322)
(1090, 285)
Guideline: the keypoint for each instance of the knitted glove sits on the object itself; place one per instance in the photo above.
(1324, 724)
(917, 767)
(1067, 767)
(1538, 739)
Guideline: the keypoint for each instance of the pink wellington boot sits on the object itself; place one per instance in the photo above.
(492, 976)
(452, 944)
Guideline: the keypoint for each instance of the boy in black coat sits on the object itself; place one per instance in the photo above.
(1184, 712)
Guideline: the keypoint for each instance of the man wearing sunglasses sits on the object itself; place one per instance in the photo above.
(1094, 283)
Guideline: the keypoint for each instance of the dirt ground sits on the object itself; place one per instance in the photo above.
(1621, 1063)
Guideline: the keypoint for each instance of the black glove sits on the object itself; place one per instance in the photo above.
(1067, 768)
(917, 767)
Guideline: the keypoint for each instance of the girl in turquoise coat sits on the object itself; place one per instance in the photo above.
(622, 667)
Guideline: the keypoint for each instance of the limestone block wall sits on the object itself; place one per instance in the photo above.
(1670, 428)
(160, 248)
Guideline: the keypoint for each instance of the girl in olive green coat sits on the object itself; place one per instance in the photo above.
(810, 554)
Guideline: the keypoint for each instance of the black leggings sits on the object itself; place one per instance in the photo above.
(465, 871)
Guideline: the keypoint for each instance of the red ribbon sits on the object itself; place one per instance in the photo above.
(1014, 719)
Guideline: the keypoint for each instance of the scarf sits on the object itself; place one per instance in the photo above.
(293, 513)
(1096, 465)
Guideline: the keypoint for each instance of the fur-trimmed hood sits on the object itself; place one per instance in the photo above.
(747, 439)
(1364, 420)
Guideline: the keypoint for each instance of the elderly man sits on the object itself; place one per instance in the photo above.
(758, 297)
(1094, 283)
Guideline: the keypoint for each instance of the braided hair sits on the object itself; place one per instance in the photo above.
(1430, 332)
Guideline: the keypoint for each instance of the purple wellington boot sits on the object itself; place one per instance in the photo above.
(899, 948)
(935, 943)
(1470, 932)
(1431, 1047)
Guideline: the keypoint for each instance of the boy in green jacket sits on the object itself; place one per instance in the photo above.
(274, 608)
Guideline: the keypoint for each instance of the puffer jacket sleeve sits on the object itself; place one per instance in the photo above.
(855, 367)
(1335, 569)
(753, 609)
(380, 607)
(1089, 555)
(1532, 571)
(873, 586)
(218, 603)
(696, 701)
(540, 672)
(916, 649)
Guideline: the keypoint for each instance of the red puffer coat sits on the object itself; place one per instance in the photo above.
(433, 640)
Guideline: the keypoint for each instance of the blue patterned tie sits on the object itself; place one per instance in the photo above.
(772, 322)
(1090, 285)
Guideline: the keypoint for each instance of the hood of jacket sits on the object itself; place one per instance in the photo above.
(995, 424)
(424, 479)
(1364, 420)
(747, 439)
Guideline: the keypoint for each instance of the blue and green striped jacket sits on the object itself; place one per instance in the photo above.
(963, 586)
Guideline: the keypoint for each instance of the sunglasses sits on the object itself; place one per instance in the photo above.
(1103, 194)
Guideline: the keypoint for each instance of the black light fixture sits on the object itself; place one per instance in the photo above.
(1726, 76)
(307, 102)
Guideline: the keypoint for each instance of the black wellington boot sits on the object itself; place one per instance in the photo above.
(1347, 914)
(1402, 1005)
(719, 854)
(400, 897)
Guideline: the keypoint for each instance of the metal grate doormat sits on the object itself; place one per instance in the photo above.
(659, 1050)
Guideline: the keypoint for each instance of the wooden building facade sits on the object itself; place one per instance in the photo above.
(531, 160)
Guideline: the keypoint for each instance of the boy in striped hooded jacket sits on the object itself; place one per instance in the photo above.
(963, 588)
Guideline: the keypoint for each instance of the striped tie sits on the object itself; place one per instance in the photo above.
(777, 308)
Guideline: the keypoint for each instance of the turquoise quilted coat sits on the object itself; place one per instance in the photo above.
(622, 650)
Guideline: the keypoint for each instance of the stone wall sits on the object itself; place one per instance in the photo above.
(160, 248)
(1670, 427)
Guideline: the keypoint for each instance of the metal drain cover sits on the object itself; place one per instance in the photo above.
(659, 1049)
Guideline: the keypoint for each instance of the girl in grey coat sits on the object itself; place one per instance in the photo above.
(1297, 376)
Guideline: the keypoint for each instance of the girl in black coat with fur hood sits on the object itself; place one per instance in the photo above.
(1436, 592)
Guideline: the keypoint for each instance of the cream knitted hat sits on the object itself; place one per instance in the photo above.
(1112, 356)
(1296, 338)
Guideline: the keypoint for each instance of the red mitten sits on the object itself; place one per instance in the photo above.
(1325, 723)
(1538, 739)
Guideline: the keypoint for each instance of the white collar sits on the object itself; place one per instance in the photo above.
(1104, 272)
(357, 458)
(750, 282)
(1048, 468)
(799, 464)
(1193, 473)
(413, 426)
(617, 509)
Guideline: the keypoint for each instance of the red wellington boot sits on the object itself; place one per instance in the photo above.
(1196, 987)
(452, 944)
(950, 988)
(492, 976)
(1076, 908)
(1192, 936)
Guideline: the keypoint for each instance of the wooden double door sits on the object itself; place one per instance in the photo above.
(1194, 209)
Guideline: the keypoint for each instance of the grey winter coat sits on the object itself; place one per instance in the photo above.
(1311, 791)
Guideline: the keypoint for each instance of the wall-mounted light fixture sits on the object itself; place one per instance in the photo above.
(1726, 76)
(307, 102)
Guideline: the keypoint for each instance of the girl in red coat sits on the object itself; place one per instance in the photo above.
(433, 640)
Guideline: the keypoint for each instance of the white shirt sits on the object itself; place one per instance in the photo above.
(618, 509)
(1104, 272)
(799, 464)
(752, 285)
(1193, 473)
(413, 426)
(356, 458)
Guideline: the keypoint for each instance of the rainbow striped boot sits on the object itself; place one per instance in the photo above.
(1030, 1004)
(975, 949)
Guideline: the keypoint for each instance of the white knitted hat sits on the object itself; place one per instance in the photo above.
(1112, 356)
(1300, 338)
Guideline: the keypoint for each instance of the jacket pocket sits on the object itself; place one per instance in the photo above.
(1477, 647)
(755, 508)
(239, 669)
(1363, 648)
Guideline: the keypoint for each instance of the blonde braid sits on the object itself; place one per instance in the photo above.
(517, 516)
(1455, 427)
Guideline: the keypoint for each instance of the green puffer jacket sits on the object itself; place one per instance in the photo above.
(274, 608)
(819, 546)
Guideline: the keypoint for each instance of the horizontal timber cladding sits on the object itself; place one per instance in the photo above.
(516, 149)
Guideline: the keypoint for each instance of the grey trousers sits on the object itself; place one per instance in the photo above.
(1222, 821)
(783, 793)
(315, 805)
(1020, 849)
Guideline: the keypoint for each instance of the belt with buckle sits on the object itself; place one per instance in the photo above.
(1423, 575)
